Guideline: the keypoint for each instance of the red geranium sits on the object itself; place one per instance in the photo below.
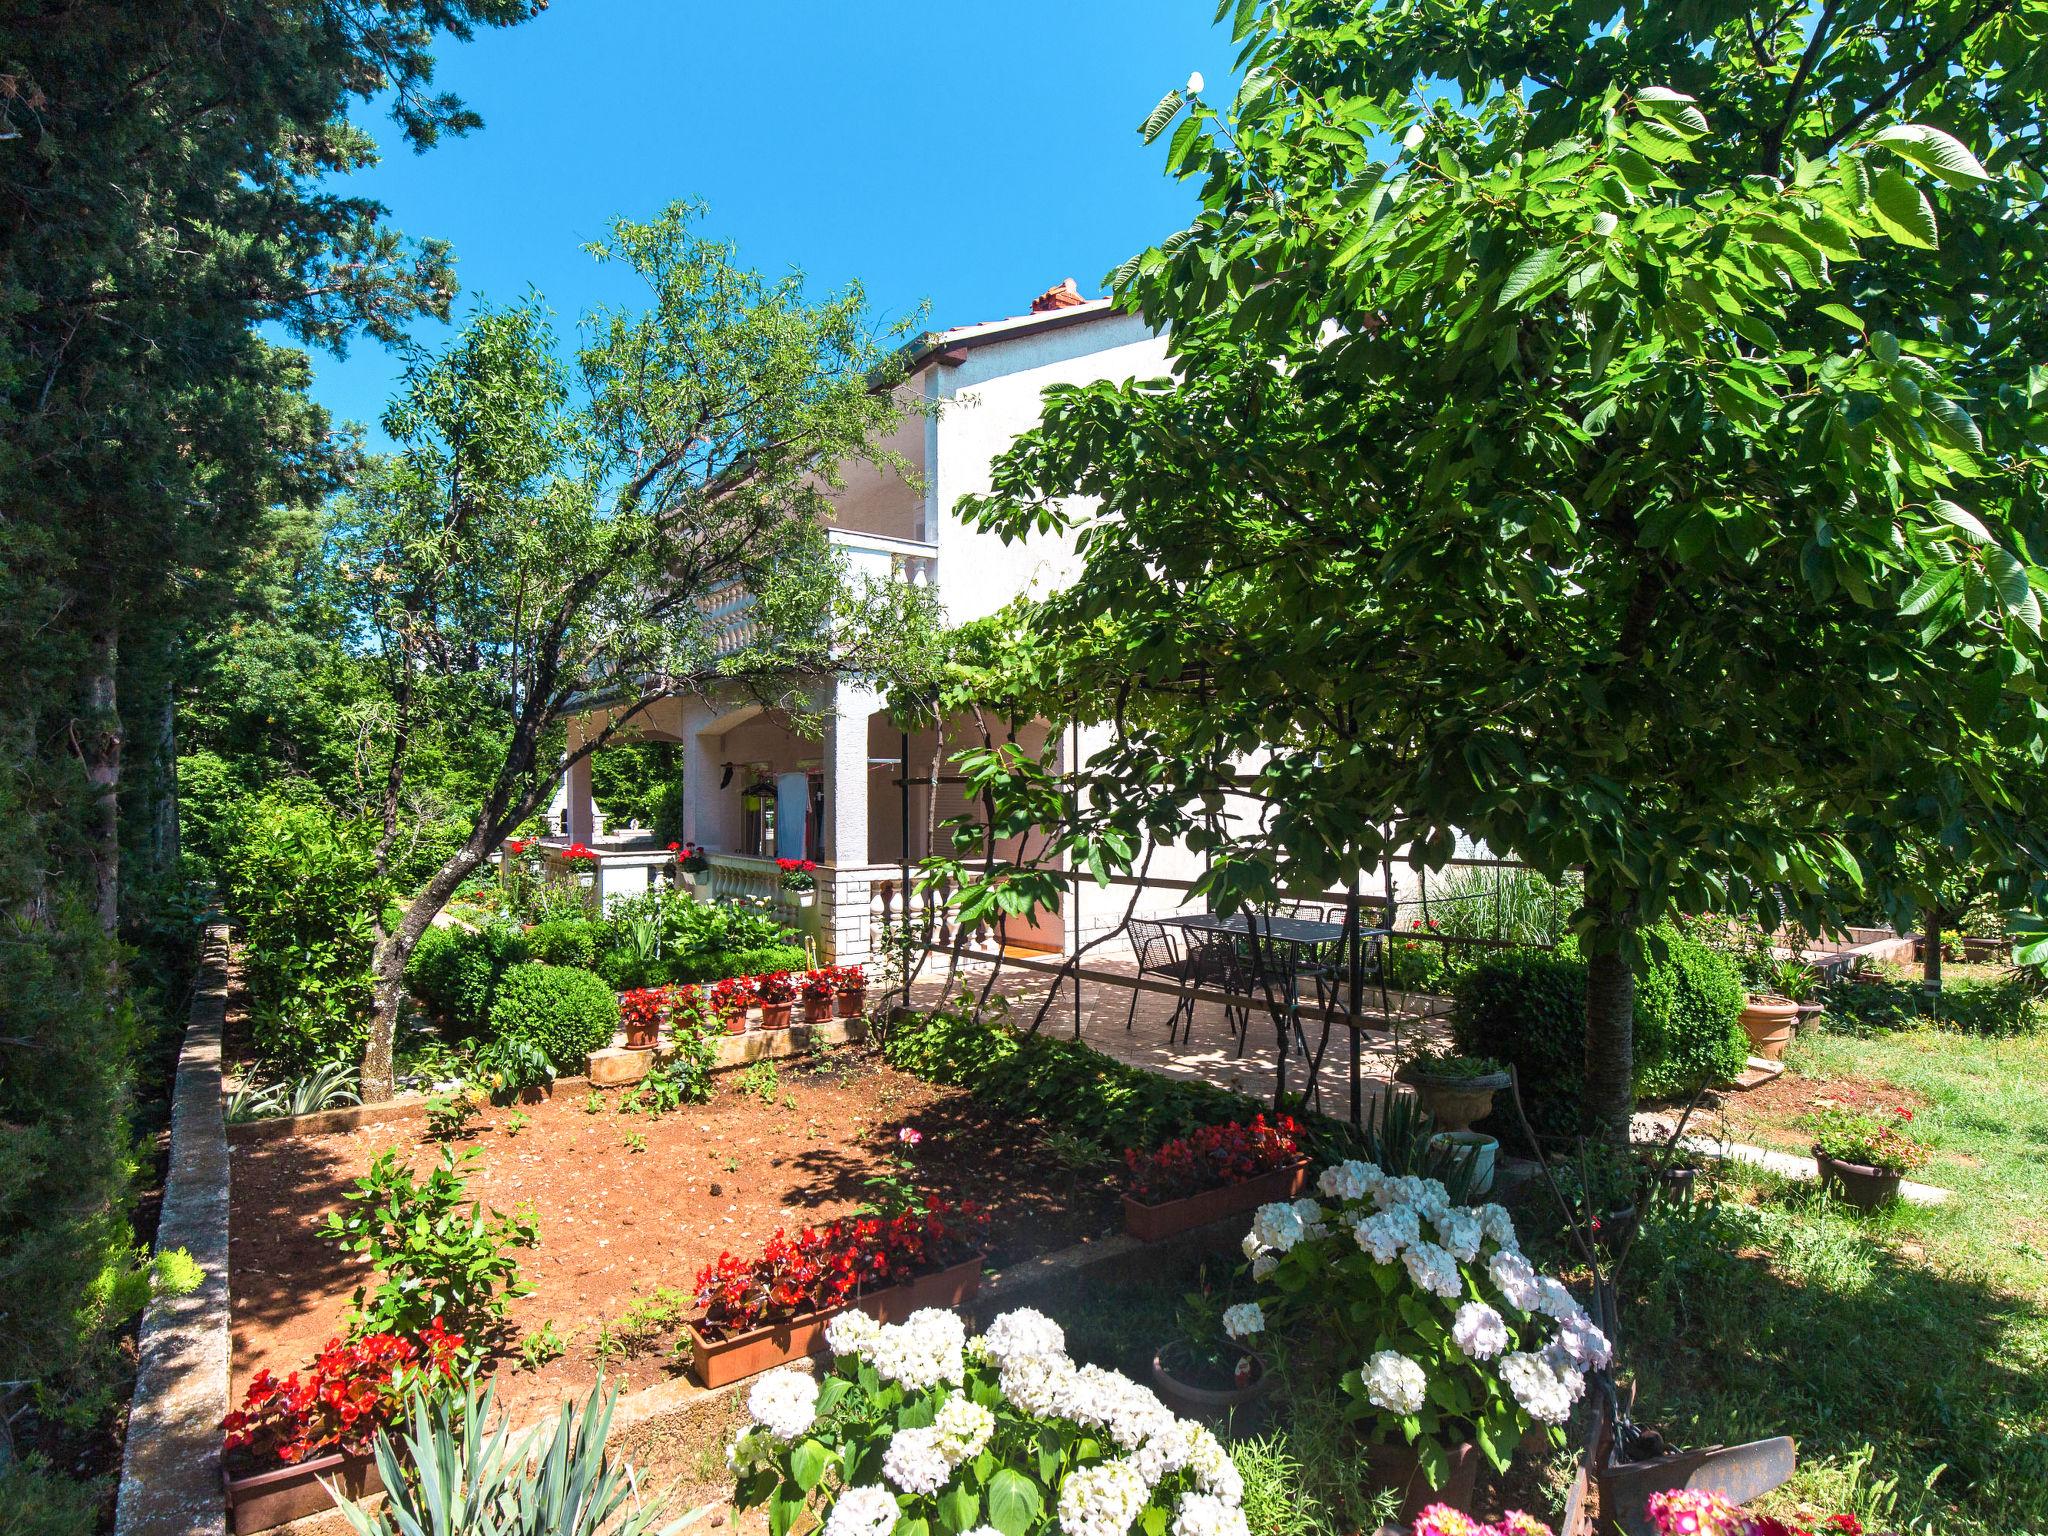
(577, 853)
(851, 978)
(775, 987)
(349, 1392)
(1214, 1156)
(821, 985)
(647, 1005)
(731, 998)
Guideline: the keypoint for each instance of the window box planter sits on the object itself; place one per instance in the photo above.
(715, 1362)
(259, 1500)
(1396, 1467)
(1770, 1023)
(1865, 1187)
(1154, 1223)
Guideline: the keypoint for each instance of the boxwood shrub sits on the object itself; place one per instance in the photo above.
(455, 973)
(1528, 1007)
(564, 1012)
(563, 941)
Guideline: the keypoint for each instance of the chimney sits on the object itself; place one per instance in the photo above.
(1066, 296)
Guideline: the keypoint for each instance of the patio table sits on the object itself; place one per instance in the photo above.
(1300, 932)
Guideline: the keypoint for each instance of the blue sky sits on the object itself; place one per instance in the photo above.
(969, 154)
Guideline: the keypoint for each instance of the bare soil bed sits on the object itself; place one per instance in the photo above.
(618, 1223)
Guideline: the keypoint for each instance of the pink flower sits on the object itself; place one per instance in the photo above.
(910, 1136)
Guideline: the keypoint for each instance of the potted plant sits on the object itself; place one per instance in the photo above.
(730, 1000)
(291, 1436)
(800, 877)
(1455, 1090)
(1204, 1371)
(642, 1011)
(1217, 1171)
(692, 863)
(1770, 1021)
(1462, 1347)
(851, 1001)
(1862, 1157)
(820, 989)
(754, 1314)
(1476, 1148)
(918, 1428)
(775, 992)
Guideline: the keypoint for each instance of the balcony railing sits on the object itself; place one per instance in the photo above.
(728, 609)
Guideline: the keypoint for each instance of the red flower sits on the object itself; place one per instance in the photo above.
(577, 853)
(1212, 1157)
(351, 1390)
(1904, 1114)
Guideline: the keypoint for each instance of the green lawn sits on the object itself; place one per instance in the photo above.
(1907, 1352)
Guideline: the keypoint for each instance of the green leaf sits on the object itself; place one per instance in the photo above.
(959, 1509)
(1528, 272)
(1930, 589)
(2009, 580)
(1955, 422)
(1161, 115)
(1903, 210)
(783, 1508)
(1014, 1502)
(1962, 519)
(1931, 149)
(807, 1463)
(1843, 313)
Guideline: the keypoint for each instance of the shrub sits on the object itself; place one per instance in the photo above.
(455, 973)
(567, 1013)
(563, 941)
(434, 1259)
(303, 883)
(717, 965)
(1528, 1007)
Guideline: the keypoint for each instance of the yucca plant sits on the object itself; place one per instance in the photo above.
(1396, 1135)
(326, 1086)
(460, 1473)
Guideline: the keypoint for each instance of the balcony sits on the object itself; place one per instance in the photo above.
(727, 609)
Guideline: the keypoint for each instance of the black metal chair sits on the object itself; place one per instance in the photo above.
(1213, 961)
(1157, 955)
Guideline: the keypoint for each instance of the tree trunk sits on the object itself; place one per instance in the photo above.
(1610, 1095)
(100, 752)
(388, 964)
(1930, 959)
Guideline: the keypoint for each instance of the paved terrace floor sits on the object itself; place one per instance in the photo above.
(1208, 1051)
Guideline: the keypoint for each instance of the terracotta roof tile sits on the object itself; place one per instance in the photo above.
(1065, 296)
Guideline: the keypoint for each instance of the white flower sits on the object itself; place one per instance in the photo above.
(784, 1402)
(1395, 1383)
(1479, 1331)
(1194, 84)
(1514, 1277)
(852, 1332)
(1553, 1300)
(1350, 1180)
(1309, 1212)
(869, 1510)
(1169, 1449)
(1264, 1265)
(1460, 1233)
(1433, 1270)
(1385, 1235)
(1427, 1195)
(1203, 1514)
(963, 1427)
(914, 1462)
(1023, 1332)
(1498, 1226)
(1583, 1344)
(1277, 1226)
(1244, 1320)
(1212, 1469)
(1252, 1246)
(1545, 1389)
(1037, 1386)
(1110, 1399)
(926, 1348)
(751, 1448)
(1102, 1500)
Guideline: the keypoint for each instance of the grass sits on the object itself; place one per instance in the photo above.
(1907, 1352)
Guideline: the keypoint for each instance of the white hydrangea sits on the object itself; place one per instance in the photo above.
(924, 1350)
(1553, 1300)
(1277, 1226)
(852, 1332)
(869, 1510)
(1546, 1389)
(963, 1427)
(1515, 1278)
(1212, 1469)
(1479, 1331)
(1313, 1222)
(784, 1402)
(1264, 1265)
(1427, 1195)
(1251, 1245)
(1460, 1233)
(1038, 1386)
(751, 1449)
(1385, 1235)
(1102, 1500)
(1169, 1449)
(1433, 1270)
(1023, 1332)
(1244, 1320)
(1350, 1180)
(1112, 1401)
(1395, 1383)
(1203, 1514)
(1583, 1344)
(914, 1462)
(1498, 1226)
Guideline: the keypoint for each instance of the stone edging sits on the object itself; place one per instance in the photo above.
(170, 1464)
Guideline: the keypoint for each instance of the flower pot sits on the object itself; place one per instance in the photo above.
(851, 1005)
(1770, 1023)
(715, 1362)
(805, 898)
(817, 1009)
(775, 1015)
(1617, 1230)
(1480, 1148)
(1860, 1185)
(1396, 1467)
(1810, 1015)
(1151, 1223)
(259, 1500)
(736, 1024)
(1456, 1102)
(642, 1034)
(1193, 1401)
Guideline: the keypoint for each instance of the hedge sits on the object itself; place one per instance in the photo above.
(455, 973)
(564, 941)
(564, 1012)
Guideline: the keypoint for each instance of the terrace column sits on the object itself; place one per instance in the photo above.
(582, 810)
(702, 768)
(845, 896)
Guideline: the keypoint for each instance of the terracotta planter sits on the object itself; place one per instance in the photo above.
(716, 1362)
(1770, 1023)
(642, 1034)
(737, 1023)
(1866, 1188)
(1396, 1467)
(1456, 1102)
(260, 1500)
(851, 1005)
(775, 1015)
(1152, 1223)
(1211, 1404)
(817, 1009)
(1810, 1015)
